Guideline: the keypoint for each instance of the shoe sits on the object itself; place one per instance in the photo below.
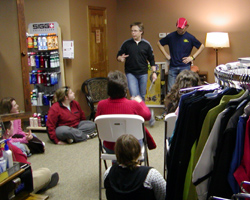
(152, 119)
(70, 141)
(160, 117)
(29, 154)
(53, 182)
(92, 135)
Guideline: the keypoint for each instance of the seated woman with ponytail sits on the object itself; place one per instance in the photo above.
(66, 121)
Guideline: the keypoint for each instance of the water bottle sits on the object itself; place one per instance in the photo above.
(37, 59)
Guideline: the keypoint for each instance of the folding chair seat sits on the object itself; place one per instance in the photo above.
(170, 120)
(110, 127)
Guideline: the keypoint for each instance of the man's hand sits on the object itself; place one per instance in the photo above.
(187, 60)
(122, 58)
(137, 98)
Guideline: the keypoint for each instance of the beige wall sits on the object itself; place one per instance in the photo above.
(10, 60)
(203, 16)
(157, 15)
(71, 15)
(72, 18)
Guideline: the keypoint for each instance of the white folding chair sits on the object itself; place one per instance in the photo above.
(110, 127)
(170, 120)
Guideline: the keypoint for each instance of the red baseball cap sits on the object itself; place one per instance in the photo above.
(181, 23)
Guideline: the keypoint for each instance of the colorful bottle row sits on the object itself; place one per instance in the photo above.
(41, 77)
(41, 99)
(42, 41)
(38, 120)
(44, 60)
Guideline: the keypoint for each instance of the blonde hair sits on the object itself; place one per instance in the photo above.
(61, 93)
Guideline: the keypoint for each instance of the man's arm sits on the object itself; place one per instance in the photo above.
(154, 75)
(197, 53)
(162, 49)
(194, 56)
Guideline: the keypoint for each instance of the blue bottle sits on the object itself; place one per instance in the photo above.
(37, 59)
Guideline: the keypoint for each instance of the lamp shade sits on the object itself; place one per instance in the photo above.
(217, 40)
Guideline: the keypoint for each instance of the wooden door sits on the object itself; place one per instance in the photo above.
(97, 41)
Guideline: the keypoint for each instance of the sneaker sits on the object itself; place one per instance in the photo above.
(53, 182)
(92, 135)
(159, 118)
(152, 119)
(70, 141)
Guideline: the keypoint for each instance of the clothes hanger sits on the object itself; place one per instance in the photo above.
(247, 109)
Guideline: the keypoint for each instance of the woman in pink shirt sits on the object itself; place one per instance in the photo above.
(26, 141)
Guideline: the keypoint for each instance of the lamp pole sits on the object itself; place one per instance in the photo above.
(216, 54)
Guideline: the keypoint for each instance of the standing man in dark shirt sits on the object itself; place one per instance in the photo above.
(136, 53)
(180, 44)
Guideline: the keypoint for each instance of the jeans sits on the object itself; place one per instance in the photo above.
(172, 74)
(137, 84)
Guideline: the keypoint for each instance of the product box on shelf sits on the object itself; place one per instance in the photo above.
(10, 171)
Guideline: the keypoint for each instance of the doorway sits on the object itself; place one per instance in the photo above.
(97, 41)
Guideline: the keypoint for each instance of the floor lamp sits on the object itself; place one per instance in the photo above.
(217, 40)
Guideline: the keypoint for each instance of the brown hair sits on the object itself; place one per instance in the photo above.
(184, 79)
(6, 125)
(117, 84)
(127, 151)
(139, 24)
(61, 93)
(6, 105)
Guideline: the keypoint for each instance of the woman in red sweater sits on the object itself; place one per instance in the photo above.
(119, 104)
(66, 121)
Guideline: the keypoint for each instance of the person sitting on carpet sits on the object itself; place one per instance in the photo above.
(127, 179)
(43, 179)
(117, 103)
(26, 141)
(66, 121)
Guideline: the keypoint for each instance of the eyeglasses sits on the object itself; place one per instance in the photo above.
(66, 90)
(134, 31)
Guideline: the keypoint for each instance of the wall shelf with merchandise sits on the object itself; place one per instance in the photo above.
(46, 67)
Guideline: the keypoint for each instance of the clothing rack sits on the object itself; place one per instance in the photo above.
(235, 71)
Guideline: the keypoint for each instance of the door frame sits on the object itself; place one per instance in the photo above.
(23, 54)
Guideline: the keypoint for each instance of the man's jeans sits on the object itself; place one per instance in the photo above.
(172, 74)
(137, 84)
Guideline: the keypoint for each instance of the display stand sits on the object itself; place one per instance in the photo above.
(156, 91)
(49, 35)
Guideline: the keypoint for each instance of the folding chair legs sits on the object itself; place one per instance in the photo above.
(100, 175)
(100, 169)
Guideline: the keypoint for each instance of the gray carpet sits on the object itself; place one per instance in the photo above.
(77, 165)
